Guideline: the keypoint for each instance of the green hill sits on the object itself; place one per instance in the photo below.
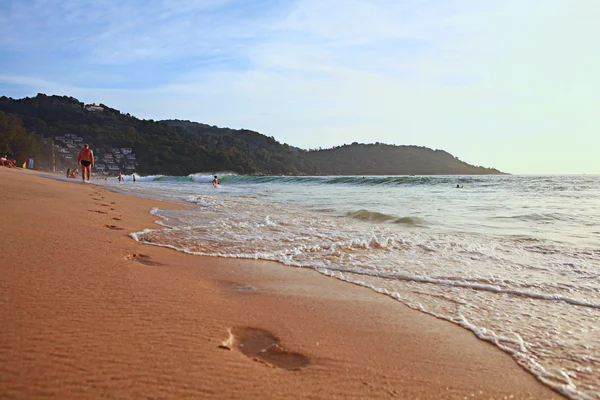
(29, 126)
(385, 159)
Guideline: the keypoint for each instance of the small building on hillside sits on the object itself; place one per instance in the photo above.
(126, 150)
(93, 107)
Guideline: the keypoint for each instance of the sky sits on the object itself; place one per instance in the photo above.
(510, 84)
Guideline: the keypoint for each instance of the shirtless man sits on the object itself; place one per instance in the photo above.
(86, 160)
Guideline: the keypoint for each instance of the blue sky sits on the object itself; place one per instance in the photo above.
(509, 84)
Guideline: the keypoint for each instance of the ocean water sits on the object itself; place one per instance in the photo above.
(514, 259)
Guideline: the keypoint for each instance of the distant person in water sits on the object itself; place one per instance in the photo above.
(216, 181)
(86, 160)
(120, 177)
(134, 179)
(459, 187)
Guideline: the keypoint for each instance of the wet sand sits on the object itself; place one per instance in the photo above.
(87, 312)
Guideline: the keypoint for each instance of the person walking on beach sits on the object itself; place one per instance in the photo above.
(86, 160)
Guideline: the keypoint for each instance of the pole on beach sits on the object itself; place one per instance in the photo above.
(53, 159)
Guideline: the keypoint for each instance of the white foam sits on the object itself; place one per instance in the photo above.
(148, 178)
(202, 178)
(136, 235)
(201, 201)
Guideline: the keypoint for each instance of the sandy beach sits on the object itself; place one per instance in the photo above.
(88, 312)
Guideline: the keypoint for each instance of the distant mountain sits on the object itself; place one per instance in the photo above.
(175, 147)
(385, 159)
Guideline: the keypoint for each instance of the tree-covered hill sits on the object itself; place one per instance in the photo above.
(384, 159)
(17, 143)
(175, 147)
(161, 147)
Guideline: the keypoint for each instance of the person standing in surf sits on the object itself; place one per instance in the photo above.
(86, 160)
(216, 181)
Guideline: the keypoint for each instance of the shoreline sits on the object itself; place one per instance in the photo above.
(89, 312)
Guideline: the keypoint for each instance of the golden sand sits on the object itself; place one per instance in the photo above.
(87, 312)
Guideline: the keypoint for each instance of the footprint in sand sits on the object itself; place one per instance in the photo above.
(245, 288)
(104, 205)
(238, 287)
(142, 259)
(262, 346)
(114, 227)
(116, 219)
(98, 211)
